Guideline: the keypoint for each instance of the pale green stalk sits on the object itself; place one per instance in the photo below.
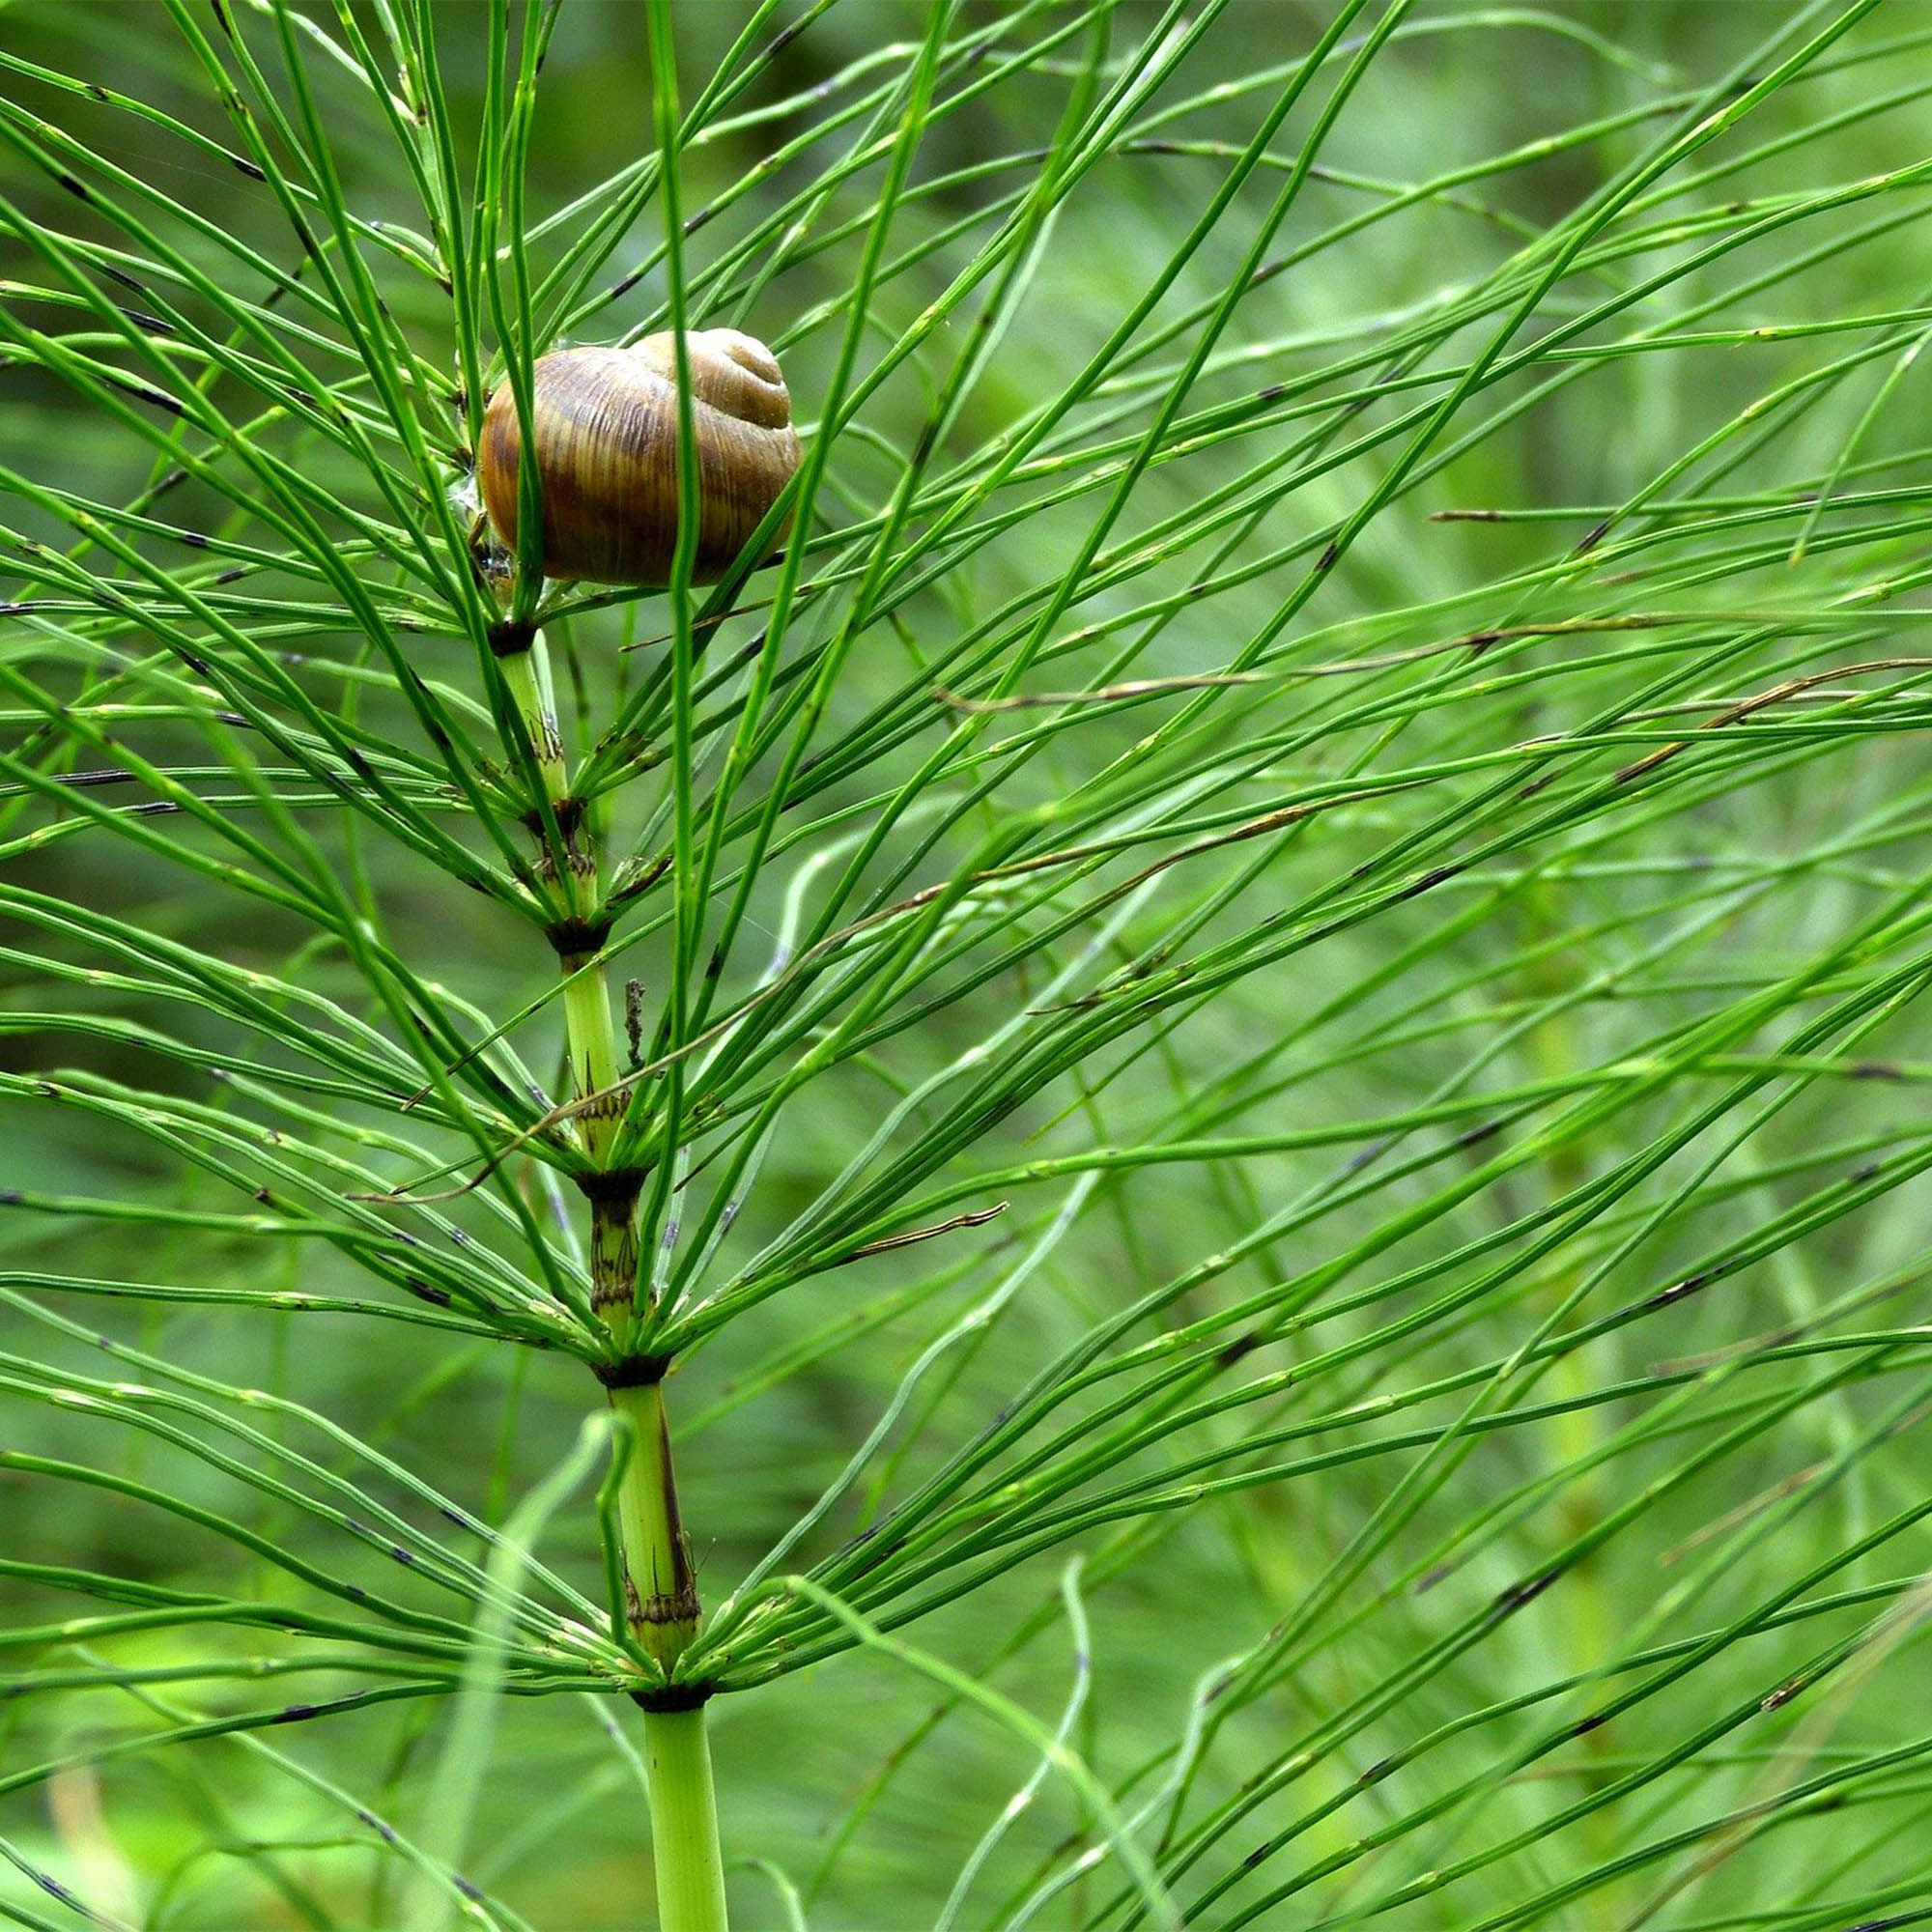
(684, 1823)
(661, 1586)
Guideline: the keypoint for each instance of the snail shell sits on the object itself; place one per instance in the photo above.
(606, 453)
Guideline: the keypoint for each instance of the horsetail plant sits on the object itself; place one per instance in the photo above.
(1223, 970)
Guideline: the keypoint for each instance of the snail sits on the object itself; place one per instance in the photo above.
(607, 454)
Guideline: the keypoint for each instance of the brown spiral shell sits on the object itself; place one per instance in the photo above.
(606, 453)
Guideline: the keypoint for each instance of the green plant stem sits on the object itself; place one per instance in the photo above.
(593, 1041)
(684, 1823)
(662, 1587)
(527, 674)
(589, 1024)
(664, 1617)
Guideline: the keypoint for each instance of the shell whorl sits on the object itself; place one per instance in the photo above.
(606, 455)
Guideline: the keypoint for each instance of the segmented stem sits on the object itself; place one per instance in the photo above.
(662, 1586)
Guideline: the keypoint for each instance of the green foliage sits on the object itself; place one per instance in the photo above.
(1275, 967)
